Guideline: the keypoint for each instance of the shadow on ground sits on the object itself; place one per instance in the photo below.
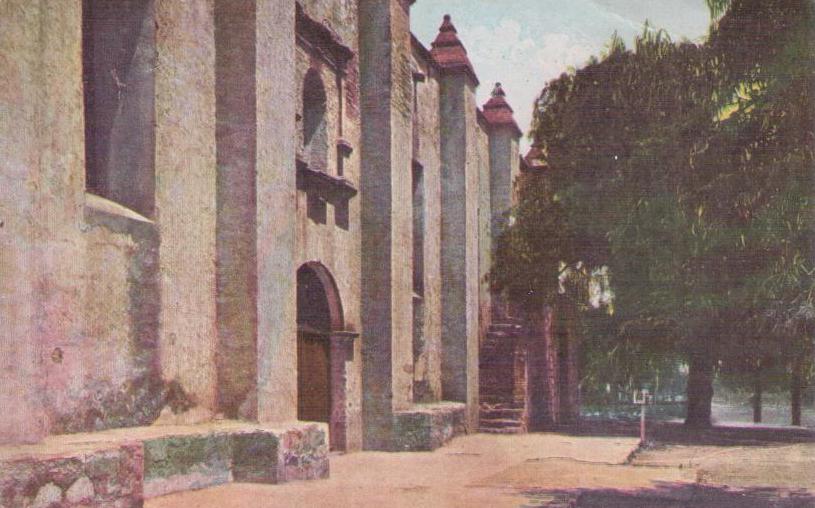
(671, 495)
(677, 433)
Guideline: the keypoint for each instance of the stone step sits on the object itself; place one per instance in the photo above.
(502, 430)
(495, 399)
(516, 414)
(510, 404)
(500, 423)
(122, 467)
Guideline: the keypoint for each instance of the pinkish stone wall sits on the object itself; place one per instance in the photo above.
(427, 354)
(85, 295)
(333, 239)
(82, 347)
(276, 212)
(186, 194)
(386, 267)
(484, 229)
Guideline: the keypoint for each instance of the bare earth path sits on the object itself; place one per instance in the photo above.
(541, 470)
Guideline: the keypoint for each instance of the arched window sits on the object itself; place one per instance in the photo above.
(315, 130)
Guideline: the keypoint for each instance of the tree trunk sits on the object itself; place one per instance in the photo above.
(757, 392)
(796, 387)
(700, 390)
(543, 371)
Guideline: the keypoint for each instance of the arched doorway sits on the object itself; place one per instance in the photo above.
(320, 396)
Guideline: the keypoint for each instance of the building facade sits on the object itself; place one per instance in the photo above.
(263, 211)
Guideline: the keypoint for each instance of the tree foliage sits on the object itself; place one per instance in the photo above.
(687, 169)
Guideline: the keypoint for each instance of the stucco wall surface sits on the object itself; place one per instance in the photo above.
(79, 272)
(276, 213)
(460, 178)
(484, 229)
(427, 357)
(334, 239)
(186, 194)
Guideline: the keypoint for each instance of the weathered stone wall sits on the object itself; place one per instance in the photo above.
(505, 164)
(186, 194)
(81, 284)
(459, 260)
(236, 128)
(108, 476)
(340, 15)
(333, 238)
(123, 468)
(20, 102)
(427, 354)
(387, 292)
(276, 212)
(484, 228)
(504, 169)
(113, 315)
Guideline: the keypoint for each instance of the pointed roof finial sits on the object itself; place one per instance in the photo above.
(447, 24)
(498, 112)
(449, 52)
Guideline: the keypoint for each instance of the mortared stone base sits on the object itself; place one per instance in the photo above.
(120, 468)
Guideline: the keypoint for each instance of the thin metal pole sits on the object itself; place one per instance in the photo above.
(642, 424)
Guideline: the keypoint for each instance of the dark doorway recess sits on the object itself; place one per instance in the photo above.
(320, 357)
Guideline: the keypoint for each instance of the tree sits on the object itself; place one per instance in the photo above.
(686, 169)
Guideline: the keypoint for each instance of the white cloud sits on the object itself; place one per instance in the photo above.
(526, 43)
(522, 62)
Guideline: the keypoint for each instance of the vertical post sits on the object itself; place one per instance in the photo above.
(642, 397)
(642, 424)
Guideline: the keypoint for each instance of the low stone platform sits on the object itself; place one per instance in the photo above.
(426, 427)
(122, 467)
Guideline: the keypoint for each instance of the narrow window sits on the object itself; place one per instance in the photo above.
(315, 131)
(421, 388)
(418, 77)
(118, 68)
(418, 229)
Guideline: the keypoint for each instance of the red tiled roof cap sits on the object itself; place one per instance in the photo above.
(498, 112)
(449, 52)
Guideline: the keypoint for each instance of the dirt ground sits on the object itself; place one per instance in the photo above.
(542, 470)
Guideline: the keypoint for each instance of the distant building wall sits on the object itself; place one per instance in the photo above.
(459, 241)
(427, 345)
(485, 238)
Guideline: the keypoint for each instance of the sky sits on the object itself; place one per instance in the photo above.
(525, 43)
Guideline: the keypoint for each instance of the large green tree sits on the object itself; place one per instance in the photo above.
(687, 170)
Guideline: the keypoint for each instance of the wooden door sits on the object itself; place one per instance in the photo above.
(313, 378)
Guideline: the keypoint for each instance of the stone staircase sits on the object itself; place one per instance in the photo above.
(503, 379)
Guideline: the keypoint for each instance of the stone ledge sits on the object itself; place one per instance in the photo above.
(426, 427)
(122, 467)
(110, 475)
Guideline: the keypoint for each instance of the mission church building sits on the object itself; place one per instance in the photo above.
(235, 235)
